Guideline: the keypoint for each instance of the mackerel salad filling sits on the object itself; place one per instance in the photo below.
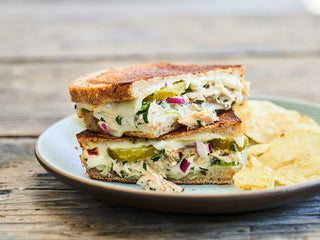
(166, 159)
(192, 102)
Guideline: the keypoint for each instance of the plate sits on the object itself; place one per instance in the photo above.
(58, 152)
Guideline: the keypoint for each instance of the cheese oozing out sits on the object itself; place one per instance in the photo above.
(207, 93)
(165, 164)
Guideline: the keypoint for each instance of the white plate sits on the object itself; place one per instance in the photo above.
(58, 152)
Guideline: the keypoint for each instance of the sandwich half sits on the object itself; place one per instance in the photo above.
(153, 99)
(210, 154)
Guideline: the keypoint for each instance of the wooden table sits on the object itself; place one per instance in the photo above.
(45, 45)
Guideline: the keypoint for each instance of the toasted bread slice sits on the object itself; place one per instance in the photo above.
(125, 83)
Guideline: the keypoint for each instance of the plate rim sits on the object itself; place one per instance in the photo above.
(120, 189)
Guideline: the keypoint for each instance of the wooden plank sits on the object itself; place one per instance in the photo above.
(82, 30)
(34, 205)
(34, 96)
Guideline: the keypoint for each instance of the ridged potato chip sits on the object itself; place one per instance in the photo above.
(257, 150)
(254, 178)
(293, 157)
(263, 120)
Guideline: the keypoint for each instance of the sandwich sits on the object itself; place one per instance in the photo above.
(150, 100)
(210, 154)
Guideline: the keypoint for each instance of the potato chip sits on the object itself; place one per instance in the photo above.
(257, 150)
(263, 120)
(293, 157)
(253, 162)
(254, 178)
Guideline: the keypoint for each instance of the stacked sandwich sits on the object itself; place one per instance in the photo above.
(161, 124)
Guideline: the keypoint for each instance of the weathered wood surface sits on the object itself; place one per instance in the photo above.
(46, 44)
(34, 205)
(34, 96)
(56, 30)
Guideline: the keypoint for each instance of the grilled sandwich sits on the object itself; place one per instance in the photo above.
(151, 100)
(210, 154)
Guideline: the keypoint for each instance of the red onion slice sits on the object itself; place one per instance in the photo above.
(103, 126)
(92, 153)
(202, 149)
(176, 100)
(166, 84)
(184, 165)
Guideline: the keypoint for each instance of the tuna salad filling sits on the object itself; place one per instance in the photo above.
(168, 159)
(191, 102)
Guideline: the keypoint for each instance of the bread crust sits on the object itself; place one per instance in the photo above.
(125, 83)
(229, 124)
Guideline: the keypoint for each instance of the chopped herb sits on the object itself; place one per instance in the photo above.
(199, 123)
(118, 120)
(124, 162)
(192, 168)
(226, 100)
(145, 118)
(218, 99)
(75, 106)
(86, 159)
(164, 104)
(152, 189)
(214, 161)
(155, 158)
(188, 89)
(199, 101)
(203, 169)
(102, 119)
(145, 166)
(162, 151)
(144, 107)
(233, 147)
(144, 111)
(84, 110)
(206, 85)
(192, 154)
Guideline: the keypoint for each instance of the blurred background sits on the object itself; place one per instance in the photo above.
(44, 45)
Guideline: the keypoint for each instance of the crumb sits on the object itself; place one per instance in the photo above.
(76, 147)
(215, 188)
(193, 189)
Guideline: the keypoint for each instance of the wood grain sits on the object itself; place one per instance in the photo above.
(34, 96)
(34, 205)
(78, 30)
(44, 45)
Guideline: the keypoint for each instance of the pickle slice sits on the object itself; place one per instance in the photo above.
(133, 154)
(165, 92)
(227, 144)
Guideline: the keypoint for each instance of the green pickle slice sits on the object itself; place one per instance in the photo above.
(227, 144)
(165, 92)
(133, 154)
